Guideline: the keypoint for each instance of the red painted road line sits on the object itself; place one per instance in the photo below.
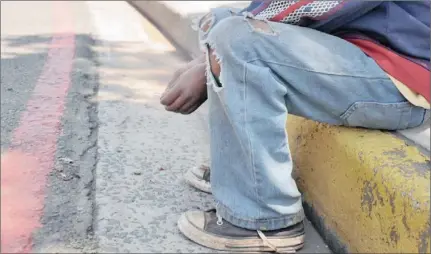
(24, 167)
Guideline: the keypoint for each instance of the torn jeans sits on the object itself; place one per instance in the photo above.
(270, 70)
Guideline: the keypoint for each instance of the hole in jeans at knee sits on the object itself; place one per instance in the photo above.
(261, 26)
(206, 22)
(213, 68)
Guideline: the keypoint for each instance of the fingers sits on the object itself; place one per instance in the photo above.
(170, 96)
(191, 109)
(187, 106)
(177, 104)
(180, 71)
(185, 90)
(192, 106)
(174, 78)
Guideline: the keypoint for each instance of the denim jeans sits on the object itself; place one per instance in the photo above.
(270, 70)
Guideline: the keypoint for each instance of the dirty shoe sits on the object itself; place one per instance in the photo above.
(206, 229)
(199, 177)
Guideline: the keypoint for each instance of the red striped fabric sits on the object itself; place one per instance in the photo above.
(411, 74)
(289, 10)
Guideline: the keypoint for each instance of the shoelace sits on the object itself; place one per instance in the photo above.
(272, 246)
(262, 236)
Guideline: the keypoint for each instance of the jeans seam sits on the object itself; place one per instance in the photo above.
(407, 116)
(364, 104)
(249, 137)
(317, 72)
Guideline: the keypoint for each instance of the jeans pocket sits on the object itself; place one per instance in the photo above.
(375, 115)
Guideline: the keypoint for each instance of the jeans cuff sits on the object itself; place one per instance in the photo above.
(281, 222)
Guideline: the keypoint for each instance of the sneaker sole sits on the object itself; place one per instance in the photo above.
(196, 182)
(284, 245)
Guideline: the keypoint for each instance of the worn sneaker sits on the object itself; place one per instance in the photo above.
(199, 178)
(206, 229)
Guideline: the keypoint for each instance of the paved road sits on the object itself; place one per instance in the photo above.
(90, 160)
(48, 125)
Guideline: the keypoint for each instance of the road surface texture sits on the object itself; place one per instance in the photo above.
(90, 161)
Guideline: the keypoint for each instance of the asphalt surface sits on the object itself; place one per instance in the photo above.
(27, 29)
(115, 182)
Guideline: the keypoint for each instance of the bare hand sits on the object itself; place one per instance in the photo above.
(187, 89)
(180, 71)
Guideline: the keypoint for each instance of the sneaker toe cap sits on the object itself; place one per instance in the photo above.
(197, 218)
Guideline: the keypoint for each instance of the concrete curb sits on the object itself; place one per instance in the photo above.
(382, 205)
(366, 191)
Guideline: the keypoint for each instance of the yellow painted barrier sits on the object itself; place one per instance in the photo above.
(370, 188)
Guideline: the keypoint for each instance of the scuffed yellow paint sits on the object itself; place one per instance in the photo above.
(370, 187)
